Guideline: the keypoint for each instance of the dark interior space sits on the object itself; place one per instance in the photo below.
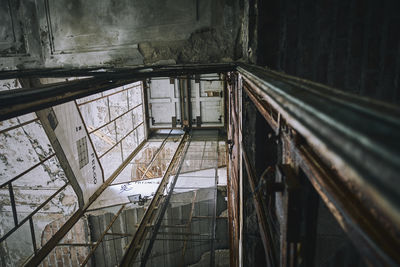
(199, 133)
(350, 45)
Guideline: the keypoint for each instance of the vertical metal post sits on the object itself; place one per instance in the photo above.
(33, 234)
(14, 209)
(102, 235)
(214, 216)
(188, 105)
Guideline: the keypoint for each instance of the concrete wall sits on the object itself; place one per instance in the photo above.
(81, 33)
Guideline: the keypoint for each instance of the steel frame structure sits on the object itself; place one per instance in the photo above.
(326, 132)
(9, 185)
(332, 135)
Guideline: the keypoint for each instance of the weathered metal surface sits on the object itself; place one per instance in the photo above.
(233, 170)
(150, 214)
(261, 214)
(18, 102)
(352, 157)
(375, 241)
(113, 73)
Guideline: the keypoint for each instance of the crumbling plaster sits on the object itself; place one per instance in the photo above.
(120, 33)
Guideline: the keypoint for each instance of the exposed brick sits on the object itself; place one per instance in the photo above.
(65, 256)
(45, 263)
(52, 259)
(46, 235)
(74, 259)
(81, 252)
(59, 259)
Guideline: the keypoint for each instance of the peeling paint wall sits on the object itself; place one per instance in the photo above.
(22, 148)
(26, 141)
(82, 33)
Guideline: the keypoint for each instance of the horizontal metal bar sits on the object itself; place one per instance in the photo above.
(119, 234)
(76, 244)
(28, 170)
(18, 126)
(111, 148)
(345, 130)
(183, 240)
(20, 101)
(113, 73)
(116, 118)
(350, 153)
(178, 233)
(209, 217)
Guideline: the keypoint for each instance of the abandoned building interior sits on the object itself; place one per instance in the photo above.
(199, 133)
